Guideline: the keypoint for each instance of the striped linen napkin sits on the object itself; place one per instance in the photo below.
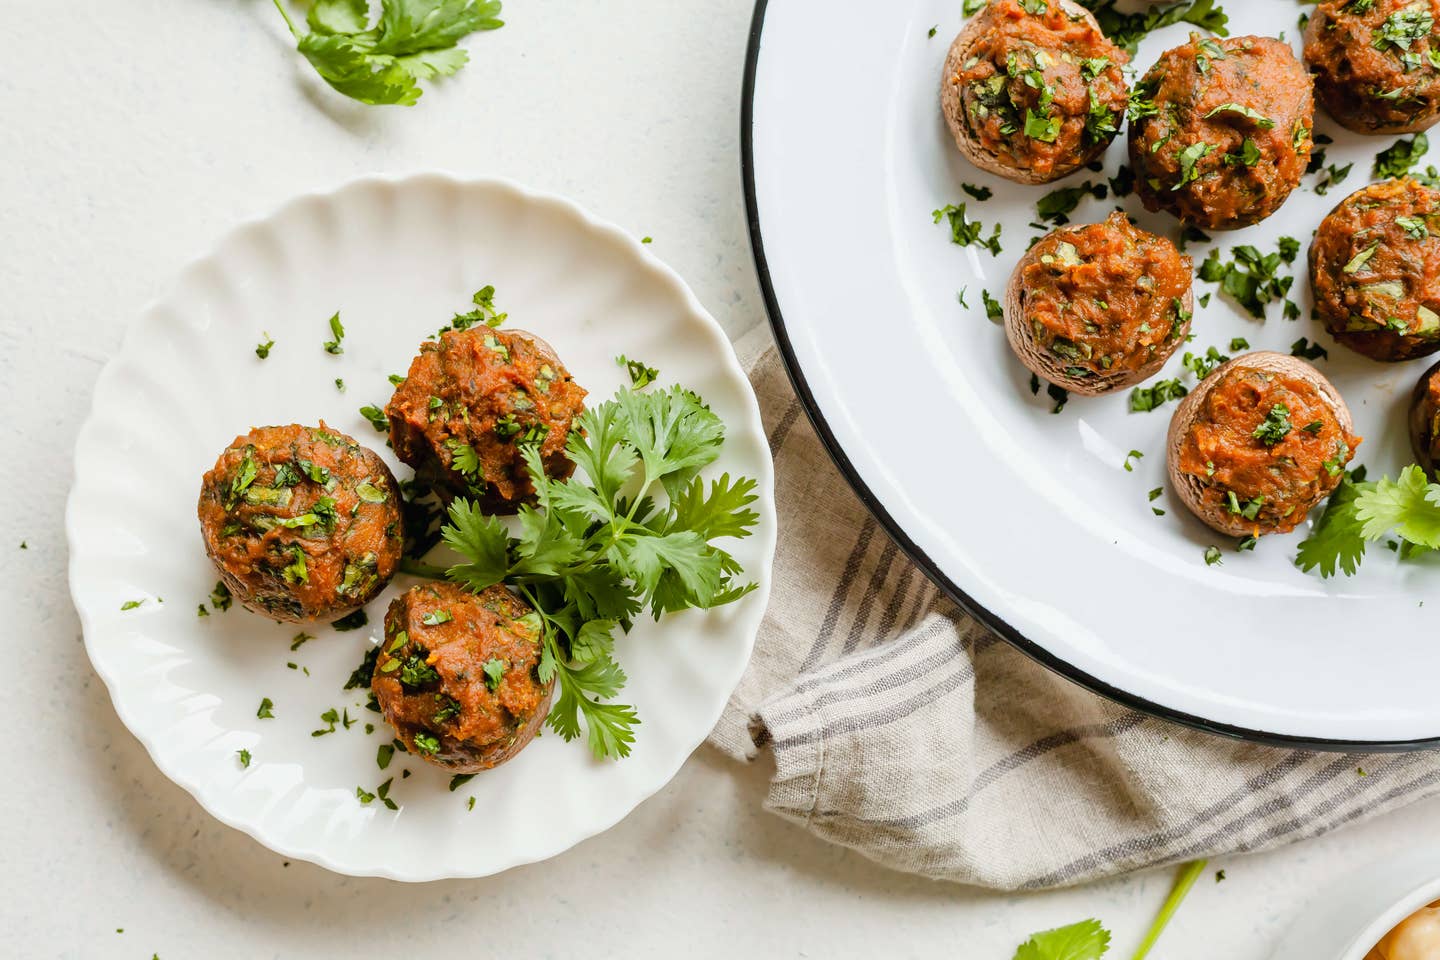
(902, 729)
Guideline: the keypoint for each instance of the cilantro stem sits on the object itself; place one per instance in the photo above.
(280, 5)
(1189, 873)
(418, 568)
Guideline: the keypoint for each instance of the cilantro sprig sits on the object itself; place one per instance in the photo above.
(1361, 512)
(413, 40)
(599, 548)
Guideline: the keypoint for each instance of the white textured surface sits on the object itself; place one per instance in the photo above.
(132, 139)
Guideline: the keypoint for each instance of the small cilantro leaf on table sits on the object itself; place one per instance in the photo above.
(1086, 940)
(413, 41)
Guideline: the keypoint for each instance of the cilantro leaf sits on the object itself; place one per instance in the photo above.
(1335, 541)
(338, 16)
(414, 40)
(1086, 940)
(482, 541)
(1409, 506)
(1397, 159)
(721, 513)
(674, 433)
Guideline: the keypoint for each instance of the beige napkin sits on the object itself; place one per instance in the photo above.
(902, 729)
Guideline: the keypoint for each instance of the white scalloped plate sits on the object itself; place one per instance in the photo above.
(1031, 520)
(396, 257)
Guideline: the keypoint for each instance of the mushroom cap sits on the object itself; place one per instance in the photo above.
(1357, 122)
(1188, 488)
(953, 106)
(542, 346)
(1048, 367)
(1421, 416)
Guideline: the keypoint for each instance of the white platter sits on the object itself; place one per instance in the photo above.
(1028, 518)
(397, 257)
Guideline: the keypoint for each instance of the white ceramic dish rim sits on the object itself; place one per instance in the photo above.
(989, 617)
(1350, 916)
(1420, 896)
(753, 425)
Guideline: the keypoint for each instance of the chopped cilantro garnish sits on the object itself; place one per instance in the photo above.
(979, 193)
(1059, 395)
(1251, 280)
(1202, 364)
(641, 375)
(1248, 155)
(1403, 28)
(330, 718)
(267, 709)
(1212, 556)
(1143, 399)
(965, 232)
(262, 349)
(1132, 455)
(993, 310)
(353, 621)
(131, 604)
(1275, 427)
(1056, 205)
(1249, 113)
(377, 418)
(337, 330)
(244, 756)
(1397, 159)
(1128, 29)
(484, 312)
(1123, 183)
(1310, 351)
(1189, 157)
(1414, 227)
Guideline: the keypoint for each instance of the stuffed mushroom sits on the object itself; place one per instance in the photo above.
(1424, 418)
(457, 675)
(1258, 443)
(1375, 270)
(303, 523)
(1098, 307)
(1221, 130)
(1376, 63)
(473, 400)
(1032, 90)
